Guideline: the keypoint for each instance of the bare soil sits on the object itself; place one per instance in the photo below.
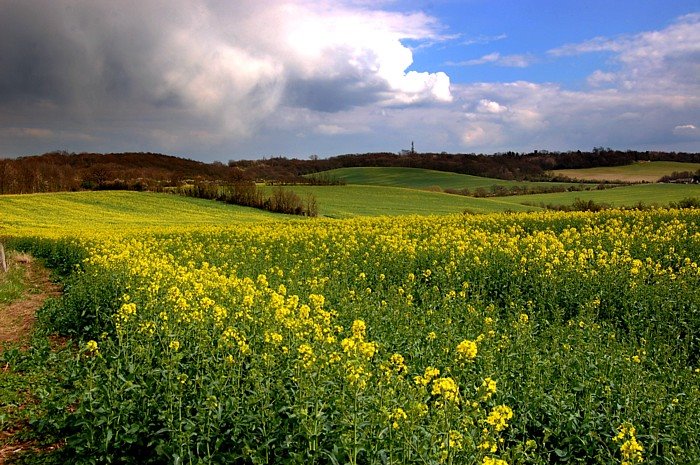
(17, 321)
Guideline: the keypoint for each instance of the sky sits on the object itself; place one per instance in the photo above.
(218, 80)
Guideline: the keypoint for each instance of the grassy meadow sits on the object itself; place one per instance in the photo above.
(371, 184)
(86, 213)
(418, 178)
(206, 333)
(636, 172)
(660, 195)
(371, 200)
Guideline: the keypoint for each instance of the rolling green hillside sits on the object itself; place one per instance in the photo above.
(636, 172)
(355, 200)
(649, 194)
(57, 213)
(349, 198)
(418, 178)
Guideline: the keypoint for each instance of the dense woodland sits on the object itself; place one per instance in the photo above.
(63, 171)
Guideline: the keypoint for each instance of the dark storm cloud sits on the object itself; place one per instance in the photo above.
(82, 53)
(183, 72)
(333, 95)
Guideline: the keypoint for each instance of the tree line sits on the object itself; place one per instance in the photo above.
(247, 193)
(63, 171)
(512, 166)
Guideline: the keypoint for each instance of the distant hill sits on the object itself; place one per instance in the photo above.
(62, 171)
(420, 178)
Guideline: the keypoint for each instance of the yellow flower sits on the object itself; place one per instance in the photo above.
(430, 373)
(175, 345)
(466, 350)
(499, 416)
(397, 361)
(357, 375)
(358, 329)
(487, 389)
(397, 416)
(91, 347)
(273, 337)
(348, 344)
(368, 349)
(447, 388)
(631, 450)
(306, 355)
(492, 461)
(488, 445)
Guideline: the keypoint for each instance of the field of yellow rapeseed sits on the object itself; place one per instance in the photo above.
(522, 338)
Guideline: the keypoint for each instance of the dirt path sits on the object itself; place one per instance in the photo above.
(16, 324)
(17, 319)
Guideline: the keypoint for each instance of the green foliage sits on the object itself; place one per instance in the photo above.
(35, 398)
(85, 310)
(62, 256)
(688, 202)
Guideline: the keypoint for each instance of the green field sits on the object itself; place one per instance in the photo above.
(356, 200)
(58, 213)
(418, 178)
(636, 172)
(91, 212)
(648, 194)
(343, 201)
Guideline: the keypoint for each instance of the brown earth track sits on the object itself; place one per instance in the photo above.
(17, 321)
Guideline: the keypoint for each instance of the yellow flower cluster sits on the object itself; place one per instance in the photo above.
(92, 348)
(428, 375)
(397, 416)
(466, 351)
(630, 449)
(487, 389)
(447, 389)
(492, 461)
(499, 416)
